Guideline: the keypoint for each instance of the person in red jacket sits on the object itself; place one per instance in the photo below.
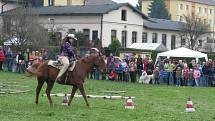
(2, 57)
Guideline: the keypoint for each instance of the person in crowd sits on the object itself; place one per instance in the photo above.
(40, 58)
(156, 75)
(109, 60)
(170, 68)
(201, 82)
(160, 64)
(185, 74)
(150, 67)
(190, 78)
(197, 75)
(111, 75)
(181, 65)
(36, 57)
(45, 56)
(32, 57)
(178, 76)
(132, 70)
(127, 75)
(112, 65)
(120, 72)
(192, 64)
(2, 58)
(145, 63)
(139, 65)
(20, 63)
(9, 59)
(27, 57)
(206, 73)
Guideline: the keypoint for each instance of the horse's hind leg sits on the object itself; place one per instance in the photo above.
(39, 86)
(81, 88)
(50, 85)
(74, 89)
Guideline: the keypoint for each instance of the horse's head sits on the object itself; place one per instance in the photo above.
(100, 62)
(98, 59)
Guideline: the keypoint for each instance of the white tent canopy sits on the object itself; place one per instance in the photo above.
(183, 52)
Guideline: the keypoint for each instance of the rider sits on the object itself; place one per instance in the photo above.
(67, 53)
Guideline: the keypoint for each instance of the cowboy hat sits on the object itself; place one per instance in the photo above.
(71, 36)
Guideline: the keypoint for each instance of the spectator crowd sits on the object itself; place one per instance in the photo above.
(164, 71)
(18, 61)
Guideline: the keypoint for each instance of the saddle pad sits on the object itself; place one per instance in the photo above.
(71, 67)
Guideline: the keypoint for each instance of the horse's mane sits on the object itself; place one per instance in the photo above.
(88, 58)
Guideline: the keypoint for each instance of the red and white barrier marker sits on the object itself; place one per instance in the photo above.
(65, 100)
(129, 104)
(189, 106)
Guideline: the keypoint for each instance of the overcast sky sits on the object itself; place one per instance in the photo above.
(133, 2)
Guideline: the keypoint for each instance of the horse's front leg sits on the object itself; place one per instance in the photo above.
(50, 85)
(74, 89)
(81, 88)
(39, 86)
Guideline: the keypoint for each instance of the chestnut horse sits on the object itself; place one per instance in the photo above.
(48, 74)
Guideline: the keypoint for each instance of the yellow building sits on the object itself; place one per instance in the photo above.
(204, 9)
(63, 2)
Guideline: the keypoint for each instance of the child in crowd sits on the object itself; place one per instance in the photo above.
(178, 76)
(197, 75)
(111, 75)
(190, 78)
(126, 78)
(186, 75)
(120, 72)
(156, 75)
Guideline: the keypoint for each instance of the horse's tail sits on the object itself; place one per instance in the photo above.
(33, 69)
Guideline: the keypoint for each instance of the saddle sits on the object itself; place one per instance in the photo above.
(64, 79)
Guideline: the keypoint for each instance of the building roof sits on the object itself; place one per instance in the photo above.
(162, 24)
(99, 2)
(84, 10)
(207, 2)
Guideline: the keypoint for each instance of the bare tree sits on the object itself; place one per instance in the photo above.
(23, 25)
(193, 30)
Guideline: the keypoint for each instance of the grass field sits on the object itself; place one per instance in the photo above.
(152, 103)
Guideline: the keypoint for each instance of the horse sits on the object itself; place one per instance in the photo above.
(76, 78)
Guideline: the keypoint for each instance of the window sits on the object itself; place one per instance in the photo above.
(124, 16)
(206, 10)
(71, 31)
(183, 41)
(144, 37)
(154, 37)
(210, 22)
(205, 21)
(172, 42)
(164, 39)
(211, 11)
(51, 3)
(95, 34)
(187, 7)
(200, 42)
(86, 34)
(209, 40)
(199, 9)
(180, 18)
(134, 37)
(124, 38)
(181, 6)
(113, 35)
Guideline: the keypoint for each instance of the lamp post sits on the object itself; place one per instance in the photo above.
(52, 23)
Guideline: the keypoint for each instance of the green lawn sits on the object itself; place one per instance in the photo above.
(152, 103)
